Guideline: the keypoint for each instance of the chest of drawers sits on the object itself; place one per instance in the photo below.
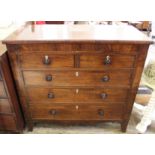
(11, 119)
(77, 73)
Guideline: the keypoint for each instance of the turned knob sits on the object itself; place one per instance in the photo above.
(53, 112)
(100, 112)
(48, 77)
(105, 78)
(46, 60)
(107, 60)
(103, 95)
(51, 95)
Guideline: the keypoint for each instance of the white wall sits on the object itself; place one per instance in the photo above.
(6, 28)
(153, 28)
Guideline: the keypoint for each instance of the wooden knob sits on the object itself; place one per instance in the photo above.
(100, 112)
(53, 112)
(105, 78)
(51, 95)
(48, 78)
(46, 60)
(107, 60)
(103, 95)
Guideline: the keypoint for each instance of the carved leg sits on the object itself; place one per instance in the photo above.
(124, 125)
(147, 115)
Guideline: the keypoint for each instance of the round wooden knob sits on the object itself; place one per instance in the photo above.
(107, 60)
(51, 95)
(48, 78)
(53, 112)
(105, 78)
(46, 60)
(101, 112)
(104, 95)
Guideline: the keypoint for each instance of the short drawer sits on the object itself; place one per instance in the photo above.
(76, 95)
(106, 61)
(37, 60)
(77, 112)
(2, 90)
(7, 122)
(78, 78)
(5, 106)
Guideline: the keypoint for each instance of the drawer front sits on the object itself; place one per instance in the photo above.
(76, 95)
(77, 112)
(5, 106)
(7, 122)
(77, 78)
(45, 60)
(106, 61)
(93, 46)
(2, 90)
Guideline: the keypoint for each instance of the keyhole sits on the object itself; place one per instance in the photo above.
(76, 74)
(77, 91)
(76, 107)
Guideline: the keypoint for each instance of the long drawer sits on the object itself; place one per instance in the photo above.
(78, 112)
(78, 78)
(125, 48)
(76, 95)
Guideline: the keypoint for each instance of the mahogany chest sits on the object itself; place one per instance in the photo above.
(77, 73)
